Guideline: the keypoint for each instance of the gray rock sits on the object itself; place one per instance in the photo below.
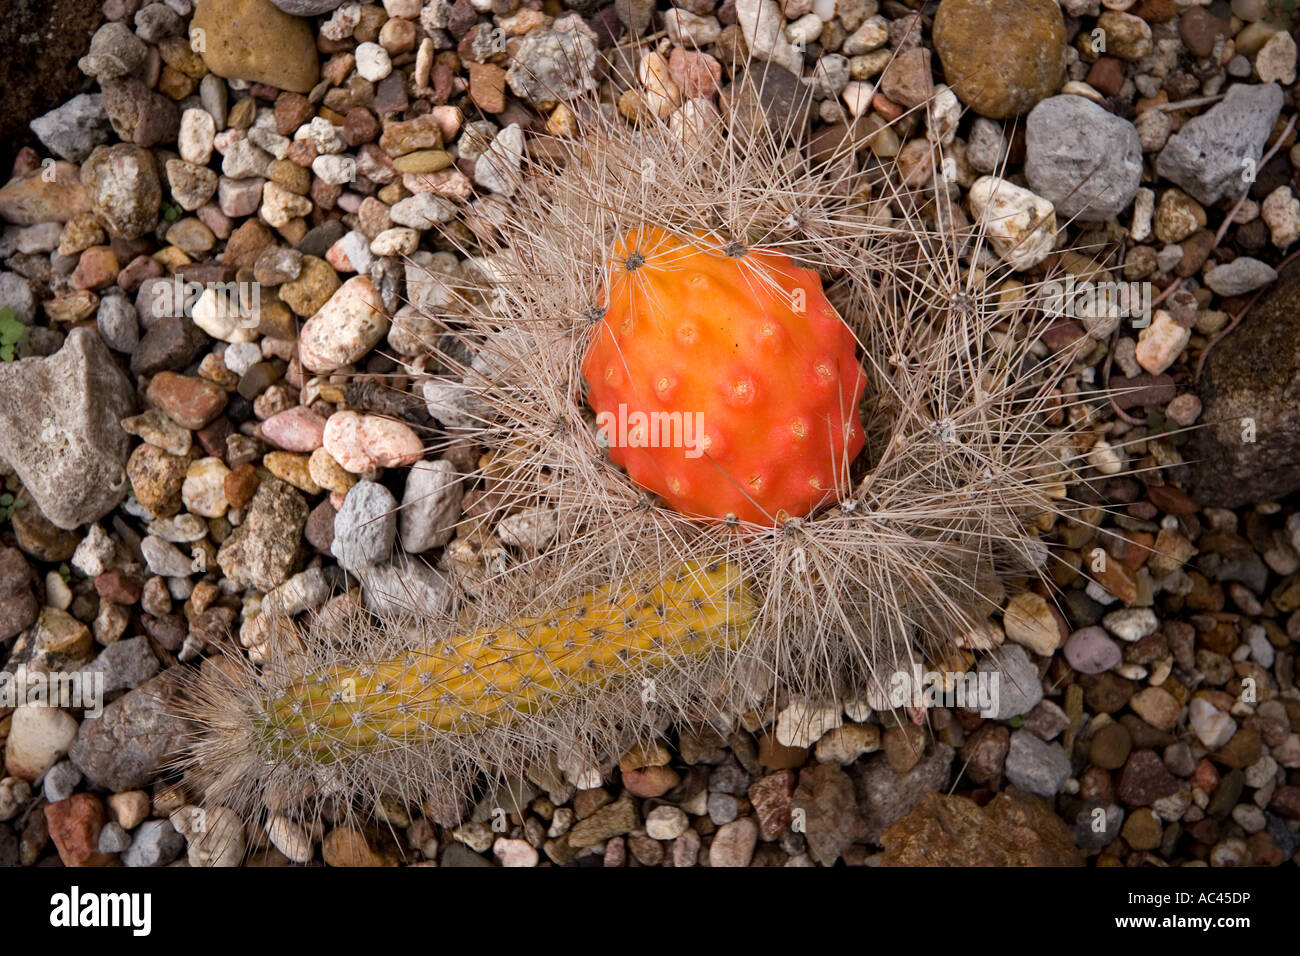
(405, 586)
(365, 527)
(885, 797)
(215, 98)
(157, 21)
(164, 558)
(1249, 450)
(125, 665)
(553, 66)
(1083, 158)
(118, 323)
(1035, 765)
(459, 855)
(155, 843)
(59, 428)
(986, 148)
(1090, 651)
(124, 747)
(73, 130)
(431, 504)
(497, 169)
(1092, 830)
(723, 808)
(1019, 689)
(16, 293)
(261, 551)
(635, 14)
(421, 211)
(307, 8)
(1240, 276)
(115, 51)
(122, 184)
(303, 591)
(113, 839)
(1208, 156)
(61, 781)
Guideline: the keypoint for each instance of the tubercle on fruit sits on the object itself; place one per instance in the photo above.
(723, 378)
(496, 676)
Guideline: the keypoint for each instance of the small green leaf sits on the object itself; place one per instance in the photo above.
(11, 330)
(1016, 722)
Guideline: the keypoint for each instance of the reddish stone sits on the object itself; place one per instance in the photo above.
(1144, 779)
(1206, 776)
(1171, 501)
(650, 782)
(1143, 390)
(118, 587)
(74, 827)
(1155, 11)
(1107, 76)
(291, 111)
(698, 74)
(1119, 580)
(1062, 333)
(772, 798)
(240, 485)
(190, 402)
(360, 126)
(213, 437)
(886, 107)
(487, 87)
(136, 271)
(97, 269)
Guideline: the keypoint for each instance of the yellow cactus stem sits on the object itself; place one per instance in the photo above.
(496, 675)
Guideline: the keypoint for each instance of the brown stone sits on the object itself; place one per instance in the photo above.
(1106, 76)
(1200, 29)
(1252, 374)
(1001, 56)
(255, 40)
(1015, 829)
(487, 87)
(240, 485)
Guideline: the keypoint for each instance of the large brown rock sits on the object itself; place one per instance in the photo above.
(1015, 829)
(1001, 56)
(1253, 374)
(256, 41)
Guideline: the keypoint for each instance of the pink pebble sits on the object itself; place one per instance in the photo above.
(336, 257)
(361, 442)
(216, 220)
(295, 429)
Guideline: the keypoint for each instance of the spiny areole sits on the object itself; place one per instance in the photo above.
(970, 426)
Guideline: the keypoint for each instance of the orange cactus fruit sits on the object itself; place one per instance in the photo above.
(723, 379)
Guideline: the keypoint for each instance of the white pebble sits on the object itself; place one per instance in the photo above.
(373, 62)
